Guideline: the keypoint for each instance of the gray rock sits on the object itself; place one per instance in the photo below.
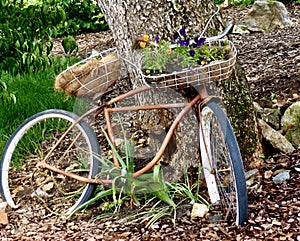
(251, 173)
(240, 29)
(276, 139)
(269, 115)
(267, 15)
(290, 122)
(281, 177)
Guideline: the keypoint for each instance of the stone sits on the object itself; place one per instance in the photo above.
(281, 177)
(290, 122)
(276, 139)
(199, 210)
(240, 29)
(3, 218)
(251, 173)
(3, 214)
(3, 206)
(270, 115)
(266, 15)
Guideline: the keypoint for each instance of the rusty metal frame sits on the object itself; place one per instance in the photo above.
(108, 108)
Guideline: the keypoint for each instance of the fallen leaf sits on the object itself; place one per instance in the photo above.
(18, 189)
(268, 174)
(48, 186)
(267, 226)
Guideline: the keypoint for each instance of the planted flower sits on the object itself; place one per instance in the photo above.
(186, 61)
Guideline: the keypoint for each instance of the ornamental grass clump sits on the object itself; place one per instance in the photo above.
(163, 57)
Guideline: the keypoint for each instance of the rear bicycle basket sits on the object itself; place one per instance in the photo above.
(90, 76)
(216, 70)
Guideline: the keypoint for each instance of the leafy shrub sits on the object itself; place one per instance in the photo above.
(241, 2)
(27, 29)
(25, 35)
(82, 16)
(69, 44)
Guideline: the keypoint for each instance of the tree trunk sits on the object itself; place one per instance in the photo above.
(129, 19)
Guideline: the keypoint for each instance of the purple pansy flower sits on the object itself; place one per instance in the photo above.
(156, 39)
(192, 52)
(181, 43)
(182, 32)
(199, 42)
(176, 36)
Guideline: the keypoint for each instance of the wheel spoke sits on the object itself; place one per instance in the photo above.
(24, 183)
(221, 159)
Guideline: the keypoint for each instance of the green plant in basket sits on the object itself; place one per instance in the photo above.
(163, 57)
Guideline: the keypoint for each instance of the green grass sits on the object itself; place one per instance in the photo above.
(34, 92)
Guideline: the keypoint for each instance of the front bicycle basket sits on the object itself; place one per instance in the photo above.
(216, 70)
(90, 76)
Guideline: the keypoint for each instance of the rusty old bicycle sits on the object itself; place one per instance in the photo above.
(55, 156)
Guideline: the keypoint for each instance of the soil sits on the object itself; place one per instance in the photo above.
(272, 65)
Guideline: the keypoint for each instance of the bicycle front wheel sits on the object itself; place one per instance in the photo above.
(222, 166)
(24, 184)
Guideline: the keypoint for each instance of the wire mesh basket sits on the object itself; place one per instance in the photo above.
(92, 75)
(97, 73)
(215, 71)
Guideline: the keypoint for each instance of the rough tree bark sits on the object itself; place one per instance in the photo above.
(129, 19)
(133, 18)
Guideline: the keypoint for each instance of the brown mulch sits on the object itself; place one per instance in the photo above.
(272, 65)
(270, 60)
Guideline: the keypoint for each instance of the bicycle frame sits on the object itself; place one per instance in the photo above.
(201, 98)
(186, 108)
(221, 163)
(107, 108)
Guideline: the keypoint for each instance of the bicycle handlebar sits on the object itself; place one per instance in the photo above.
(212, 38)
(208, 39)
(221, 35)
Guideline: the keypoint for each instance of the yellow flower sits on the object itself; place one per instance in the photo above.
(146, 38)
(143, 44)
(169, 51)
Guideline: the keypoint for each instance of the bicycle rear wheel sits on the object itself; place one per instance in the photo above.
(25, 184)
(222, 166)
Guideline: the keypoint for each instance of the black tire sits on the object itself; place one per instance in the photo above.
(24, 184)
(222, 166)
